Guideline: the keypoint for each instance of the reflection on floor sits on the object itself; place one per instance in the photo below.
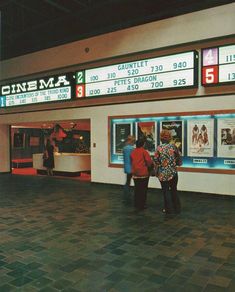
(32, 171)
(67, 235)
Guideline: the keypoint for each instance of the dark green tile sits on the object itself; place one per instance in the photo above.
(33, 266)
(36, 273)
(19, 282)
(60, 239)
(6, 288)
(214, 288)
(157, 279)
(15, 265)
(62, 284)
(42, 282)
(17, 273)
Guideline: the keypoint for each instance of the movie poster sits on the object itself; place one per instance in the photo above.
(34, 141)
(120, 134)
(147, 130)
(176, 129)
(18, 140)
(226, 138)
(200, 137)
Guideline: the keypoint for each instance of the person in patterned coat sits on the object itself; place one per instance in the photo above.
(167, 158)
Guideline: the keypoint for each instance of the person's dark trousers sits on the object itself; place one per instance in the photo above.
(140, 189)
(171, 198)
(126, 190)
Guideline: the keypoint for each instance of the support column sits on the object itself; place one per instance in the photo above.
(5, 160)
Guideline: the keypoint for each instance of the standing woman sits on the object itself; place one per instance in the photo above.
(167, 158)
(128, 148)
(49, 157)
(140, 162)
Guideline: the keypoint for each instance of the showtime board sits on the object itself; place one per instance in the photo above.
(218, 65)
(166, 72)
(53, 88)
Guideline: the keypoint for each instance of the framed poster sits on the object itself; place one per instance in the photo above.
(120, 134)
(226, 137)
(147, 130)
(200, 137)
(34, 141)
(18, 140)
(177, 133)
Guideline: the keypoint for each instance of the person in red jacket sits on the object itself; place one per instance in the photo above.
(140, 164)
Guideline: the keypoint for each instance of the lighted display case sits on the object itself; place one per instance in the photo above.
(205, 139)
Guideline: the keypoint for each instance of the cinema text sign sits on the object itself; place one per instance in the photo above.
(53, 88)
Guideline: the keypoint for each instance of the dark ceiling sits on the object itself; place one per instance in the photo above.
(32, 25)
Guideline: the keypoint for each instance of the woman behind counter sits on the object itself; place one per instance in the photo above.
(48, 160)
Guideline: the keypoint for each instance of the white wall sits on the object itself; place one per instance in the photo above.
(202, 25)
(199, 182)
(4, 148)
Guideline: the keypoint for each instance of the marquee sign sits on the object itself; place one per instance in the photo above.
(53, 88)
(166, 72)
(218, 65)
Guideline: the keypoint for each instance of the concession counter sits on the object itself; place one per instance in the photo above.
(68, 164)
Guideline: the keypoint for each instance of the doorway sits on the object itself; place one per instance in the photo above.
(71, 141)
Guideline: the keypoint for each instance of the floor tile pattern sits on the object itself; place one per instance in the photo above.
(66, 235)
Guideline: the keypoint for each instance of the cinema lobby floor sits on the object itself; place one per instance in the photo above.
(68, 235)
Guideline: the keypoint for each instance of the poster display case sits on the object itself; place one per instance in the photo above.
(205, 139)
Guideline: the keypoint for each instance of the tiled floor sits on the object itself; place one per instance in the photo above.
(66, 235)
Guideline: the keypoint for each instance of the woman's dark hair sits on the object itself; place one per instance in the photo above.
(48, 142)
(140, 143)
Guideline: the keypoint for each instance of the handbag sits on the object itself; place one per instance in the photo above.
(178, 158)
(45, 155)
(153, 169)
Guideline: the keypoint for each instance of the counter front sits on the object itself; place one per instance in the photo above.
(70, 164)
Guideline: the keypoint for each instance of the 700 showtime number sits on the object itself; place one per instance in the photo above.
(80, 92)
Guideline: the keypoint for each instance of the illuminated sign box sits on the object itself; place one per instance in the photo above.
(218, 65)
(206, 140)
(166, 72)
(48, 89)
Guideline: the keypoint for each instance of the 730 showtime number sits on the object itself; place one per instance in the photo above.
(132, 72)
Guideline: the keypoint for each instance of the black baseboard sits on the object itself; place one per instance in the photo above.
(60, 173)
(22, 164)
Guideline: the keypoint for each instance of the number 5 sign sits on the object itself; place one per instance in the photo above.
(210, 75)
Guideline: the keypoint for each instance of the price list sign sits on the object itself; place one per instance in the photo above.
(53, 88)
(166, 72)
(218, 65)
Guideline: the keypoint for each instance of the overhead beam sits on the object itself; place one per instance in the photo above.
(81, 3)
(58, 6)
